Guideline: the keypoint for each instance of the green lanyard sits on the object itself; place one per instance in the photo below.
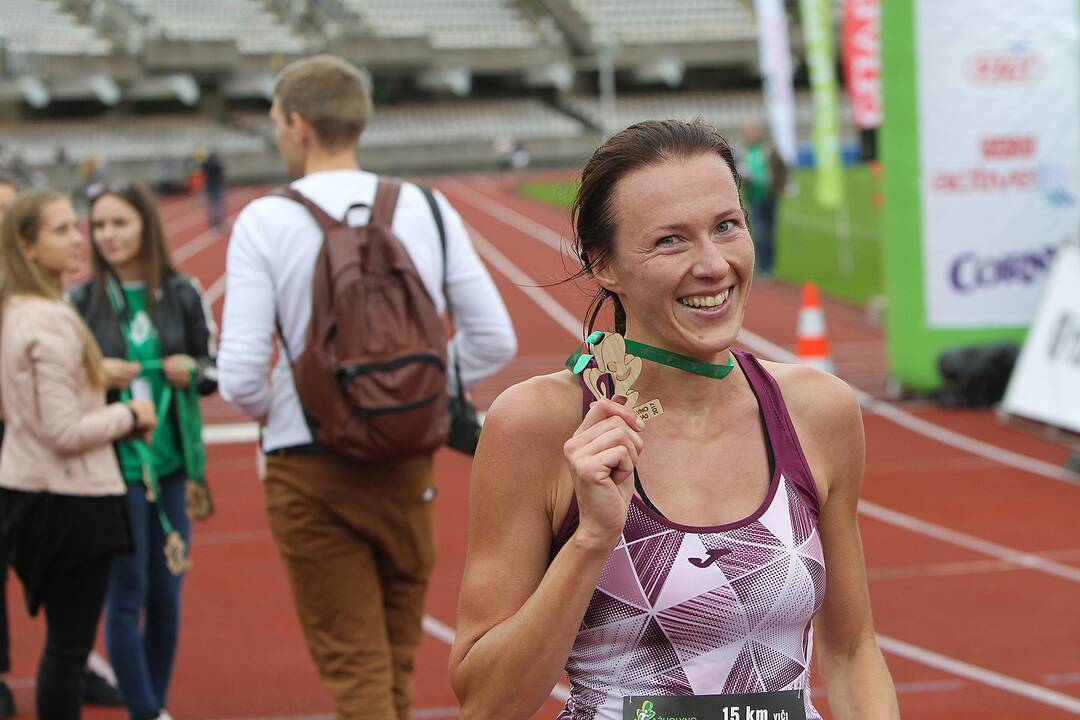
(577, 362)
(176, 557)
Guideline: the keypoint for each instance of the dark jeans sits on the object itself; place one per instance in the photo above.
(215, 208)
(763, 230)
(5, 632)
(141, 584)
(72, 610)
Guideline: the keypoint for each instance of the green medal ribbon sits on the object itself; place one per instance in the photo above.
(579, 360)
(176, 555)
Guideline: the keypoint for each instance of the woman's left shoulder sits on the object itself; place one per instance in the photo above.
(816, 399)
(806, 386)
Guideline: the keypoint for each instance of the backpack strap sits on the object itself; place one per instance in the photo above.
(441, 227)
(325, 221)
(386, 197)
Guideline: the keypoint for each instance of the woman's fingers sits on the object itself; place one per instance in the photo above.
(604, 408)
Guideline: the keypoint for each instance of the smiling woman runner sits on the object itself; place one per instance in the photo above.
(687, 556)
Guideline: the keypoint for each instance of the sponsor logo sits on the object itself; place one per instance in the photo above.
(1005, 147)
(970, 272)
(1017, 65)
(1050, 180)
(984, 180)
(645, 712)
(713, 556)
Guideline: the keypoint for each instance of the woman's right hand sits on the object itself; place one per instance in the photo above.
(145, 418)
(119, 373)
(602, 454)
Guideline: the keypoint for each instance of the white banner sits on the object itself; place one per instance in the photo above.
(999, 131)
(1045, 385)
(774, 51)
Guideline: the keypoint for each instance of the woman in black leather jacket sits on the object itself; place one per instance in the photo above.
(158, 338)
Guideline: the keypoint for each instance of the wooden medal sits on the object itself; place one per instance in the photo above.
(615, 374)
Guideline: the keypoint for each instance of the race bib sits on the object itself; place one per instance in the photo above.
(780, 705)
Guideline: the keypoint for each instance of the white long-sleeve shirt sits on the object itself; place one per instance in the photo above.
(270, 266)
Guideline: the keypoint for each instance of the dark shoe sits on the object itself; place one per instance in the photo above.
(98, 691)
(7, 701)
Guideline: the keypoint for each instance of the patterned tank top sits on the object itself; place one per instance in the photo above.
(683, 610)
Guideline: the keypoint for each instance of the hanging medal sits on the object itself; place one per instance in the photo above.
(615, 372)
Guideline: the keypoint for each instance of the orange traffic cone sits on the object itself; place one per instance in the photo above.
(812, 343)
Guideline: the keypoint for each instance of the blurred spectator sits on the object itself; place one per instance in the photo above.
(155, 331)
(8, 188)
(214, 185)
(765, 175)
(356, 537)
(92, 174)
(64, 514)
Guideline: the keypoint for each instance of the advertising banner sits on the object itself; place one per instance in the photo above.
(862, 61)
(998, 108)
(818, 35)
(774, 51)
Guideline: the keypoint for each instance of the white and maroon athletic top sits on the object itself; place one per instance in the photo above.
(683, 610)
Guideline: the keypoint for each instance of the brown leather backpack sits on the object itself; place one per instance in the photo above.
(372, 378)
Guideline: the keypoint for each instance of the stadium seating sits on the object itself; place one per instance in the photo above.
(416, 124)
(254, 28)
(120, 141)
(450, 24)
(674, 21)
(44, 27)
(729, 111)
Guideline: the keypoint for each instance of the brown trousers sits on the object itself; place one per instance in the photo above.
(358, 545)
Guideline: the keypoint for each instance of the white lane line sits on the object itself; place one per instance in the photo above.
(215, 291)
(961, 567)
(764, 347)
(197, 244)
(527, 285)
(928, 686)
(511, 217)
(980, 675)
(208, 237)
(923, 427)
(927, 657)
(228, 433)
(969, 542)
(444, 632)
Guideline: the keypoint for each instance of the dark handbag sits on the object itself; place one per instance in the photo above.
(464, 420)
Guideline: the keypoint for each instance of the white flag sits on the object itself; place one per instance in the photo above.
(775, 53)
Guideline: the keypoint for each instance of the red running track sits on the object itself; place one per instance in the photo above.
(974, 564)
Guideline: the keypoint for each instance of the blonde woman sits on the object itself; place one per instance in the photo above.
(63, 507)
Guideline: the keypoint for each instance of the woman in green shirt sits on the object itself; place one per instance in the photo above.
(157, 335)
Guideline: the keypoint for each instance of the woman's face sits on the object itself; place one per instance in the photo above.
(58, 247)
(683, 259)
(116, 230)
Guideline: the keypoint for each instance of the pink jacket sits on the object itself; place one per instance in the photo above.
(59, 432)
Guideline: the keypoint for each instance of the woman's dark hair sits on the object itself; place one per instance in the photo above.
(593, 212)
(153, 253)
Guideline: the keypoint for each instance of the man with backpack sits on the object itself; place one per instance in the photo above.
(352, 274)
